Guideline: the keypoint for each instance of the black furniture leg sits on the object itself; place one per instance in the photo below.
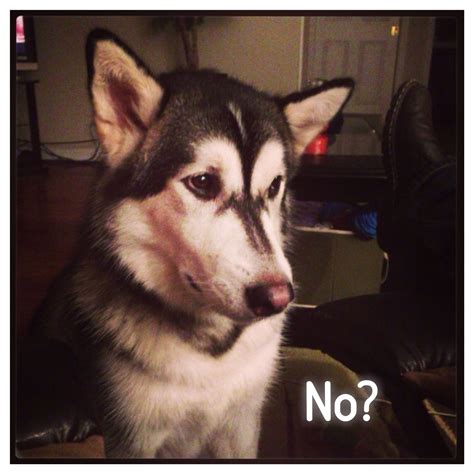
(31, 159)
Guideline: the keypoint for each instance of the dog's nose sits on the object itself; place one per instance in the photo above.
(268, 299)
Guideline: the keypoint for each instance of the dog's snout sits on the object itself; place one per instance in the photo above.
(269, 298)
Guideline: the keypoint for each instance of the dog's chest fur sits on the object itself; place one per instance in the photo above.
(158, 386)
(192, 395)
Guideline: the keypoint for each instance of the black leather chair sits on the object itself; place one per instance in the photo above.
(391, 338)
(381, 337)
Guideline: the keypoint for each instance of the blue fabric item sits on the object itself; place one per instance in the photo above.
(362, 220)
(332, 210)
(364, 223)
(306, 213)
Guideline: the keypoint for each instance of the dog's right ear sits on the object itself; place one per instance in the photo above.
(124, 94)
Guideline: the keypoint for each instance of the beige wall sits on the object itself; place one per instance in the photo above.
(415, 48)
(63, 103)
(264, 51)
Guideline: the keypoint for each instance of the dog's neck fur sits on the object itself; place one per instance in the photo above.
(210, 334)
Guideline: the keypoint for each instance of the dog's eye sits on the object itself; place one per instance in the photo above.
(203, 185)
(274, 187)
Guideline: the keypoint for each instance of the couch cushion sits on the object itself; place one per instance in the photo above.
(437, 384)
(386, 334)
(285, 432)
(90, 448)
(444, 418)
(50, 404)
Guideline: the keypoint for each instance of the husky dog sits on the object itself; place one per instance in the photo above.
(175, 302)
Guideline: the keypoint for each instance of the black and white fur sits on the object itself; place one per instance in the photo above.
(176, 363)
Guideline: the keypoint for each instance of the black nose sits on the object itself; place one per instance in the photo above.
(267, 299)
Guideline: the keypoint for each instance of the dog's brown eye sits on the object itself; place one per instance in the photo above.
(204, 185)
(274, 187)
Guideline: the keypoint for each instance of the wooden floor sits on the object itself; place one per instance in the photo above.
(49, 210)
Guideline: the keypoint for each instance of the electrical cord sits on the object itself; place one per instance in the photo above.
(72, 142)
(44, 147)
(387, 267)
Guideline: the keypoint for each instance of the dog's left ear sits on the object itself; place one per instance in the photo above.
(124, 93)
(309, 111)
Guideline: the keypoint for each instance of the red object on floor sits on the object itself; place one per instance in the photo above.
(319, 145)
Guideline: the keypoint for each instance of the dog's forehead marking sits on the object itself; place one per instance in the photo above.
(222, 155)
(237, 113)
(269, 163)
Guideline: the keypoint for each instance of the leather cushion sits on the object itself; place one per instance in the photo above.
(285, 433)
(50, 404)
(386, 334)
(436, 384)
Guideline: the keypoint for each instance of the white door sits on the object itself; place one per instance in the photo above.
(364, 48)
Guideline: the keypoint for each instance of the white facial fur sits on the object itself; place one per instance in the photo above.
(173, 235)
(197, 252)
(269, 163)
(221, 156)
(237, 113)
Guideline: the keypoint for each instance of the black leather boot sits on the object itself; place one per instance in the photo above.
(411, 155)
(411, 151)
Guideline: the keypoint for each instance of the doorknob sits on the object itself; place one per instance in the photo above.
(314, 82)
(394, 30)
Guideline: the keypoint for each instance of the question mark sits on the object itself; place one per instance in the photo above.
(375, 391)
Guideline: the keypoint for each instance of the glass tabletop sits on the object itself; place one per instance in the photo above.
(356, 138)
(355, 149)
